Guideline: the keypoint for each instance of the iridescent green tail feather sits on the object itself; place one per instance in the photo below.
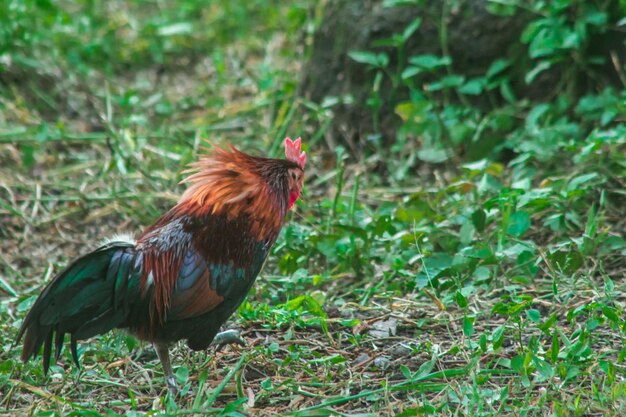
(93, 295)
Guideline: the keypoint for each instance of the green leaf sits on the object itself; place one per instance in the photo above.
(466, 234)
(406, 372)
(609, 286)
(460, 299)
(425, 369)
(555, 348)
(566, 261)
(410, 71)
(379, 60)
(433, 155)
(182, 374)
(448, 81)
(577, 182)
(596, 17)
(537, 69)
(479, 218)
(610, 244)
(533, 315)
(410, 412)
(482, 342)
(468, 326)
(535, 114)
(592, 324)
(611, 313)
(497, 67)
(497, 337)
(572, 372)
(410, 30)
(546, 325)
(306, 303)
(429, 61)
(507, 92)
(519, 223)
(544, 368)
(473, 87)
(28, 155)
(517, 363)
(416, 209)
(433, 266)
(26, 304)
(482, 273)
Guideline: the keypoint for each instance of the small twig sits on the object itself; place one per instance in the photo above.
(44, 394)
(618, 67)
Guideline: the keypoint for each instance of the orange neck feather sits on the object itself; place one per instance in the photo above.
(231, 182)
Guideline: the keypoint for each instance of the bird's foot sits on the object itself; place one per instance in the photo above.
(164, 356)
(172, 386)
(227, 337)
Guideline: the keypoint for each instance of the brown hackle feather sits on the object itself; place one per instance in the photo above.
(225, 178)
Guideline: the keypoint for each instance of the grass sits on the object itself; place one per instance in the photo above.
(399, 287)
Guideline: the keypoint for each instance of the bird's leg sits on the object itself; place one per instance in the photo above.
(227, 337)
(163, 351)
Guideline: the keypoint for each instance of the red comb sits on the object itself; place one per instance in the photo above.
(292, 151)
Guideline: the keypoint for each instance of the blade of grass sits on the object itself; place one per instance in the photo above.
(211, 398)
(7, 287)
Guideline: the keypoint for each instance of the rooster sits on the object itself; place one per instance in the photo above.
(186, 274)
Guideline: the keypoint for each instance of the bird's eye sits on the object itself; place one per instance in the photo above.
(293, 175)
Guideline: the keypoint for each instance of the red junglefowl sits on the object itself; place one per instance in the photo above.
(187, 273)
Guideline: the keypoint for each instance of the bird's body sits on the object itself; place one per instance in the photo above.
(187, 273)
